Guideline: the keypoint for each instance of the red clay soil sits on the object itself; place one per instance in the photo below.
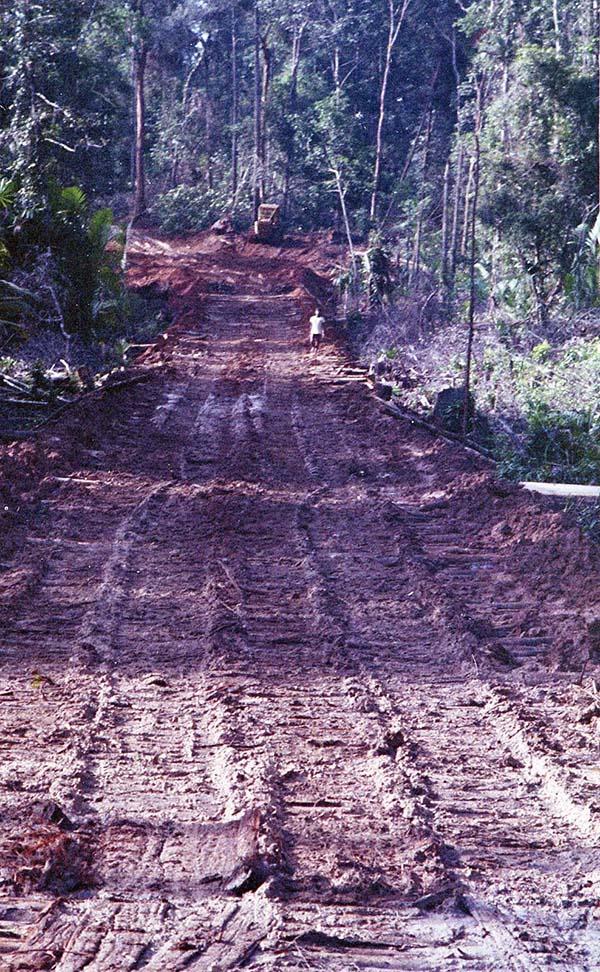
(286, 683)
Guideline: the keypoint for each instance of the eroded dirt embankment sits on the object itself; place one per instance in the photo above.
(286, 683)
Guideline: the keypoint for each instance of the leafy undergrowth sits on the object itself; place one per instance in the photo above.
(550, 399)
(538, 396)
(587, 515)
(190, 209)
(66, 316)
(42, 374)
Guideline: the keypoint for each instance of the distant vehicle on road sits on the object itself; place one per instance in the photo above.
(266, 225)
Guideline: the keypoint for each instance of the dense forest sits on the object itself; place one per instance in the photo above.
(200, 108)
(399, 114)
(454, 146)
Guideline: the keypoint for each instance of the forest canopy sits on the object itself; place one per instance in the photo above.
(453, 145)
(192, 108)
(231, 95)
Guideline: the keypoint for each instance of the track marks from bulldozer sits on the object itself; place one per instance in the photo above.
(299, 715)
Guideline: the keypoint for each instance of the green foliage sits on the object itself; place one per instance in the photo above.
(79, 281)
(560, 379)
(377, 273)
(581, 282)
(68, 203)
(539, 162)
(542, 351)
(7, 193)
(512, 292)
(188, 208)
(551, 396)
(588, 516)
(87, 271)
(559, 447)
(450, 415)
(564, 446)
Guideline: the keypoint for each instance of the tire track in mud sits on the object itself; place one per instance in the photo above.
(270, 698)
(461, 737)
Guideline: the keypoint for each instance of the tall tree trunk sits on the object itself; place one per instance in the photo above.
(234, 107)
(257, 114)
(505, 87)
(335, 70)
(412, 150)
(459, 167)
(185, 98)
(456, 207)
(416, 261)
(416, 264)
(445, 197)
(174, 173)
(337, 175)
(472, 255)
(467, 212)
(293, 98)
(208, 122)
(379, 136)
(396, 19)
(140, 58)
(556, 21)
(588, 57)
(264, 100)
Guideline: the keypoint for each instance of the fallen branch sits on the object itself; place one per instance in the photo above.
(572, 490)
(27, 294)
(133, 380)
(30, 402)
(24, 434)
(62, 145)
(405, 413)
(14, 383)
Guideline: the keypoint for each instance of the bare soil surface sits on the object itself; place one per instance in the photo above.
(285, 683)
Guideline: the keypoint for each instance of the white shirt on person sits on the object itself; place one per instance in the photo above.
(316, 325)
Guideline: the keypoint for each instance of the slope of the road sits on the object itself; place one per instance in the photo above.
(288, 685)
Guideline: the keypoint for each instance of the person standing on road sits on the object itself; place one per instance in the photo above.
(317, 329)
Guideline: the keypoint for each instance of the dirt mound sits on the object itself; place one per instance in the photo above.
(210, 263)
(543, 544)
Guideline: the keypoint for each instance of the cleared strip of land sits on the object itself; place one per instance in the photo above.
(287, 684)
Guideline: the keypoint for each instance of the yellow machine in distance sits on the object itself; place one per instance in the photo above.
(266, 226)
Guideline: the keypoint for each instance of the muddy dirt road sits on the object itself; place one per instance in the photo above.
(286, 684)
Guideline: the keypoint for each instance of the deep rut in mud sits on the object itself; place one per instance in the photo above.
(299, 704)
